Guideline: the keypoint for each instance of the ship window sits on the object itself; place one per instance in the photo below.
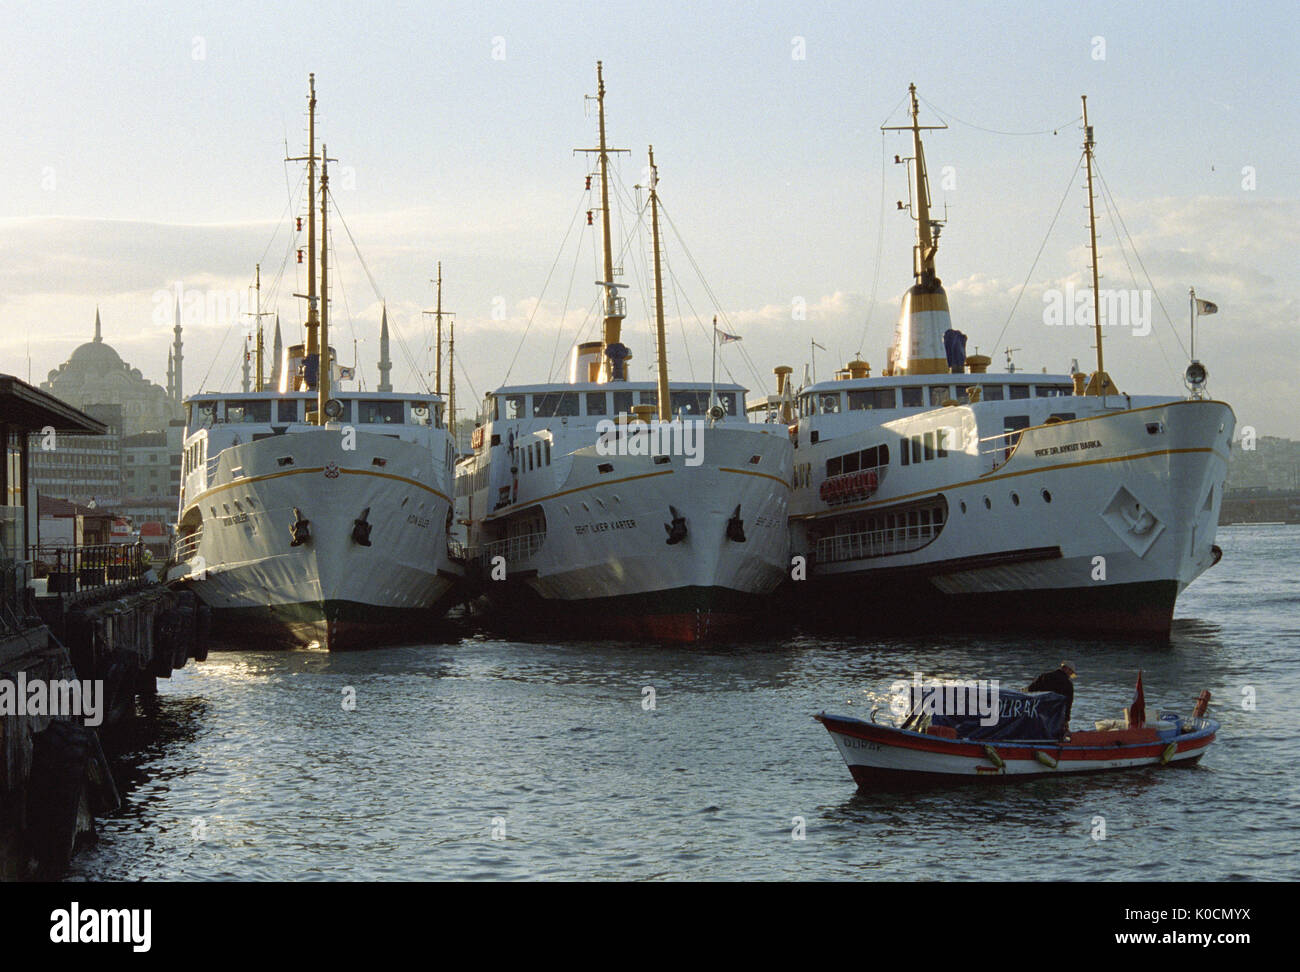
(622, 402)
(1018, 391)
(916, 448)
(421, 414)
(515, 406)
(650, 398)
(913, 396)
(929, 445)
(991, 393)
(939, 394)
(377, 412)
(829, 404)
(245, 411)
(941, 443)
(605, 467)
(728, 401)
(596, 403)
(548, 452)
(555, 403)
(871, 398)
(835, 466)
(905, 452)
(689, 402)
(851, 462)
(288, 410)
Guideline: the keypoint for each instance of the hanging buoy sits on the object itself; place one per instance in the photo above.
(1168, 754)
(993, 757)
(1045, 759)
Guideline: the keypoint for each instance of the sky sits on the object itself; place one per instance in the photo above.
(144, 149)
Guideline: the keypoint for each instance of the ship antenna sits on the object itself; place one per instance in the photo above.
(665, 406)
(927, 228)
(259, 383)
(310, 159)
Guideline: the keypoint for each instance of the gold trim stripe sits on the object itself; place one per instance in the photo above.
(576, 489)
(246, 480)
(754, 472)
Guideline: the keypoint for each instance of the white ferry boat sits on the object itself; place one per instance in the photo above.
(940, 493)
(309, 514)
(643, 509)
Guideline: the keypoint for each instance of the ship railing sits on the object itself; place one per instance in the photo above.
(514, 549)
(998, 448)
(876, 543)
(90, 570)
(187, 546)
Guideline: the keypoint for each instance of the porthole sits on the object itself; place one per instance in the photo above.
(1047, 497)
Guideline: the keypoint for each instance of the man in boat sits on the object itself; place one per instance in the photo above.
(1061, 681)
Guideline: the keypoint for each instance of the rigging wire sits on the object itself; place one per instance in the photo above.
(1039, 254)
(538, 305)
(880, 243)
(947, 115)
(1106, 190)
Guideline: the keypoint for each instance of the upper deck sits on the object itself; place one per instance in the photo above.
(588, 403)
(910, 393)
(276, 412)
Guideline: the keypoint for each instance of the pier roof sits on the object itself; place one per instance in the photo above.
(30, 409)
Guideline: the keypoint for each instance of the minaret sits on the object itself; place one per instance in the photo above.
(385, 362)
(98, 337)
(277, 351)
(171, 376)
(177, 357)
(246, 366)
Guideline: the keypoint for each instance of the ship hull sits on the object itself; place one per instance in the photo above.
(330, 589)
(605, 566)
(1056, 538)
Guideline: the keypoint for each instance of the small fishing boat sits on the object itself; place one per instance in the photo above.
(933, 748)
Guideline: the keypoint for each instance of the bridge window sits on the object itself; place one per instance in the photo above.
(515, 406)
(871, 398)
(916, 448)
(939, 394)
(693, 403)
(929, 445)
(597, 403)
(991, 393)
(380, 413)
(622, 402)
(828, 403)
(288, 410)
(1018, 391)
(913, 396)
(555, 403)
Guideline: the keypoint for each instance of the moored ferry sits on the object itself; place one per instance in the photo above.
(309, 514)
(940, 493)
(641, 509)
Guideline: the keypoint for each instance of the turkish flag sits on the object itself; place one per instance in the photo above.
(1137, 711)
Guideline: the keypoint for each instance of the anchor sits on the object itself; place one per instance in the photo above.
(736, 527)
(677, 530)
(300, 529)
(361, 529)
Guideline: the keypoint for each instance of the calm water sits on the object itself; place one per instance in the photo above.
(250, 767)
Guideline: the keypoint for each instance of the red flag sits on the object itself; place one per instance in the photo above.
(1137, 711)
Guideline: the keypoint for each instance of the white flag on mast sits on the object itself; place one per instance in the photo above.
(1206, 307)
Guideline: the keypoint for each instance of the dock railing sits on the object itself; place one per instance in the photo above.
(515, 549)
(89, 571)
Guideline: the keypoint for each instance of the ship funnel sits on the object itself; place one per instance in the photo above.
(585, 365)
(918, 340)
(782, 373)
(858, 368)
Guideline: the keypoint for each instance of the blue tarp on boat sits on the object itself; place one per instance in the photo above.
(1021, 715)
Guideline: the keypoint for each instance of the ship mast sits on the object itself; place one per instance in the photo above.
(323, 374)
(614, 353)
(665, 409)
(259, 381)
(1099, 383)
(312, 348)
